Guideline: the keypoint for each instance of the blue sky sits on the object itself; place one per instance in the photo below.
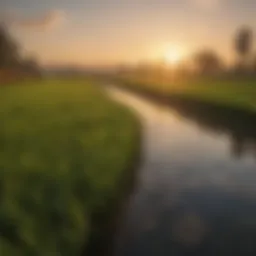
(110, 31)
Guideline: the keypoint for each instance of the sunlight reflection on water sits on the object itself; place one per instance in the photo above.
(191, 194)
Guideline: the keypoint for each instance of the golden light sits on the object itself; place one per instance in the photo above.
(173, 56)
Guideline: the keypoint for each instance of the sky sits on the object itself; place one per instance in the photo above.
(102, 32)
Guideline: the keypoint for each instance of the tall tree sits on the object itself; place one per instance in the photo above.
(243, 46)
(11, 62)
(9, 54)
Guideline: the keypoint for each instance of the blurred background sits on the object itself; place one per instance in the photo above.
(127, 127)
(204, 36)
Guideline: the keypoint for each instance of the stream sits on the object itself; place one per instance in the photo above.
(195, 192)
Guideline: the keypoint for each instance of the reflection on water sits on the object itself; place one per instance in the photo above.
(192, 196)
(239, 126)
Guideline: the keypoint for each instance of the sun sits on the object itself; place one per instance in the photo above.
(172, 56)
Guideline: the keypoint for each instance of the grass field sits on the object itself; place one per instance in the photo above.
(64, 148)
(233, 93)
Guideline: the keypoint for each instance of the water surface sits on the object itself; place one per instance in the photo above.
(196, 188)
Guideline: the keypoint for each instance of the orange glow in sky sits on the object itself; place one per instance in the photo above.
(173, 56)
(113, 32)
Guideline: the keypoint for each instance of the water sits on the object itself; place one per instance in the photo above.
(196, 188)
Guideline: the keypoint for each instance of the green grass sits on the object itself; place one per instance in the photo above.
(64, 147)
(239, 94)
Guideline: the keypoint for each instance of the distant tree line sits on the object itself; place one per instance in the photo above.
(12, 64)
(208, 62)
(205, 62)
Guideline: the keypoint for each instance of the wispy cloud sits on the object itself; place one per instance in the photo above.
(44, 21)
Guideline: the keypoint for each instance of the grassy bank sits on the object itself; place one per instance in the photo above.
(231, 93)
(64, 148)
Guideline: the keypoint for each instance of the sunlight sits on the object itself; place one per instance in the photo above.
(173, 56)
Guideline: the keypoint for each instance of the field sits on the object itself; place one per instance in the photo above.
(64, 148)
(233, 93)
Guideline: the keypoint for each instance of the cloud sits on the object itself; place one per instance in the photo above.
(45, 21)
(206, 4)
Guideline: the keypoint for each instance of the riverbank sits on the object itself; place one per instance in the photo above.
(237, 94)
(66, 153)
(238, 122)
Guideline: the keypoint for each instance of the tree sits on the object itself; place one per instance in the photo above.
(243, 46)
(208, 62)
(11, 62)
(9, 52)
